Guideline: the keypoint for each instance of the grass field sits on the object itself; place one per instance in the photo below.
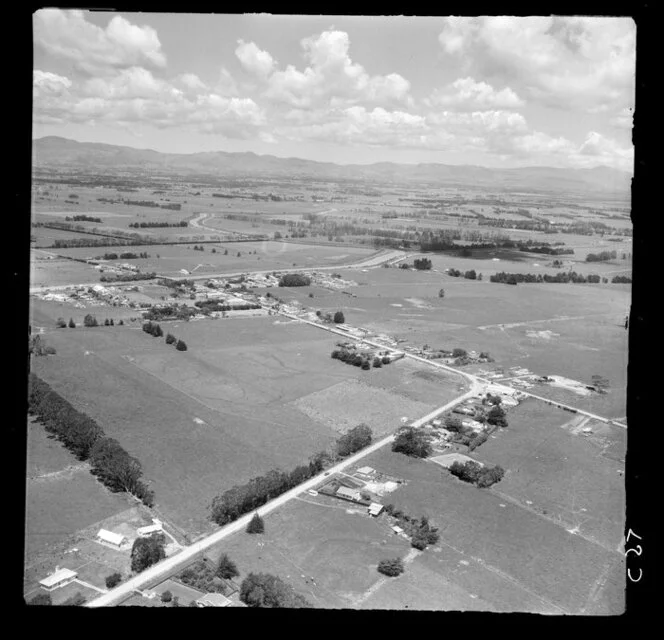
(269, 255)
(564, 476)
(227, 409)
(62, 496)
(524, 549)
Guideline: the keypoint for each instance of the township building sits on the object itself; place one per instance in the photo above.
(59, 578)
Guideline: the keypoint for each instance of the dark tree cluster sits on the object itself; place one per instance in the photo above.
(477, 440)
(158, 225)
(208, 306)
(241, 499)
(170, 312)
(356, 439)
(621, 280)
(83, 218)
(365, 361)
(204, 576)
(129, 277)
(263, 590)
(412, 442)
(123, 256)
(560, 277)
(199, 247)
(256, 524)
(37, 347)
(153, 329)
(294, 280)
(392, 567)
(79, 433)
(419, 529)
(496, 416)
(474, 473)
(602, 256)
(147, 551)
(113, 580)
(422, 264)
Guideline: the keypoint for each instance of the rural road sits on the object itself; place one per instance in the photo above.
(469, 376)
(168, 566)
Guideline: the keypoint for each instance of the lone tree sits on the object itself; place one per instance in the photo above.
(113, 580)
(88, 321)
(339, 318)
(256, 524)
(170, 338)
(263, 590)
(181, 345)
(167, 596)
(72, 324)
(147, 551)
(60, 324)
(226, 568)
(392, 568)
(441, 293)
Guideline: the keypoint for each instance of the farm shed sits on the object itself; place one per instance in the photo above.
(213, 600)
(155, 527)
(351, 494)
(115, 539)
(365, 471)
(398, 530)
(375, 508)
(59, 578)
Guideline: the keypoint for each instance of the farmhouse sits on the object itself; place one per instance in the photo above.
(213, 600)
(375, 508)
(59, 578)
(350, 494)
(108, 537)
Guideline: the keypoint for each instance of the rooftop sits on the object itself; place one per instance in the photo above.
(58, 576)
(213, 600)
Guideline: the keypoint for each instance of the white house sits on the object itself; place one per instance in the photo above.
(59, 578)
(345, 492)
(114, 539)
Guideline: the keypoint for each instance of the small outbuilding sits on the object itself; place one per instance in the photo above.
(366, 471)
(59, 578)
(213, 600)
(375, 508)
(155, 527)
(108, 537)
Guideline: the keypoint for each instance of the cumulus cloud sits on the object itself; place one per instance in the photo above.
(135, 97)
(563, 62)
(253, 59)
(93, 50)
(467, 93)
(332, 77)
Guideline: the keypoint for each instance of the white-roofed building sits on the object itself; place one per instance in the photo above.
(213, 600)
(59, 578)
(366, 471)
(108, 537)
(155, 527)
(351, 494)
(375, 508)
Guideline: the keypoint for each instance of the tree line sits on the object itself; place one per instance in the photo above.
(294, 280)
(365, 361)
(129, 277)
(123, 256)
(155, 330)
(83, 217)
(474, 473)
(561, 277)
(602, 256)
(158, 225)
(79, 433)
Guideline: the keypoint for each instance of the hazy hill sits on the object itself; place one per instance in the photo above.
(62, 152)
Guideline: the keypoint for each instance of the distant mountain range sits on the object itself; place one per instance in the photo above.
(54, 151)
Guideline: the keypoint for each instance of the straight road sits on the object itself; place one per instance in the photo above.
(170, 565)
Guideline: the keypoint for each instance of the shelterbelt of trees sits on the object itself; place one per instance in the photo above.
(79, 433)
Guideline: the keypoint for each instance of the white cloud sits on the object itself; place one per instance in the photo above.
(253, 59)
(466, 93)
(584, 63)
(624, 119)
(333, 78)
(93, 50)
(192, 82)
(46, 83)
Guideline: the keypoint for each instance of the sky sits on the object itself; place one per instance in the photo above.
(490, 91)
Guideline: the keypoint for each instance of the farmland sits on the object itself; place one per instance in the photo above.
(226, 410)
(253, 394)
